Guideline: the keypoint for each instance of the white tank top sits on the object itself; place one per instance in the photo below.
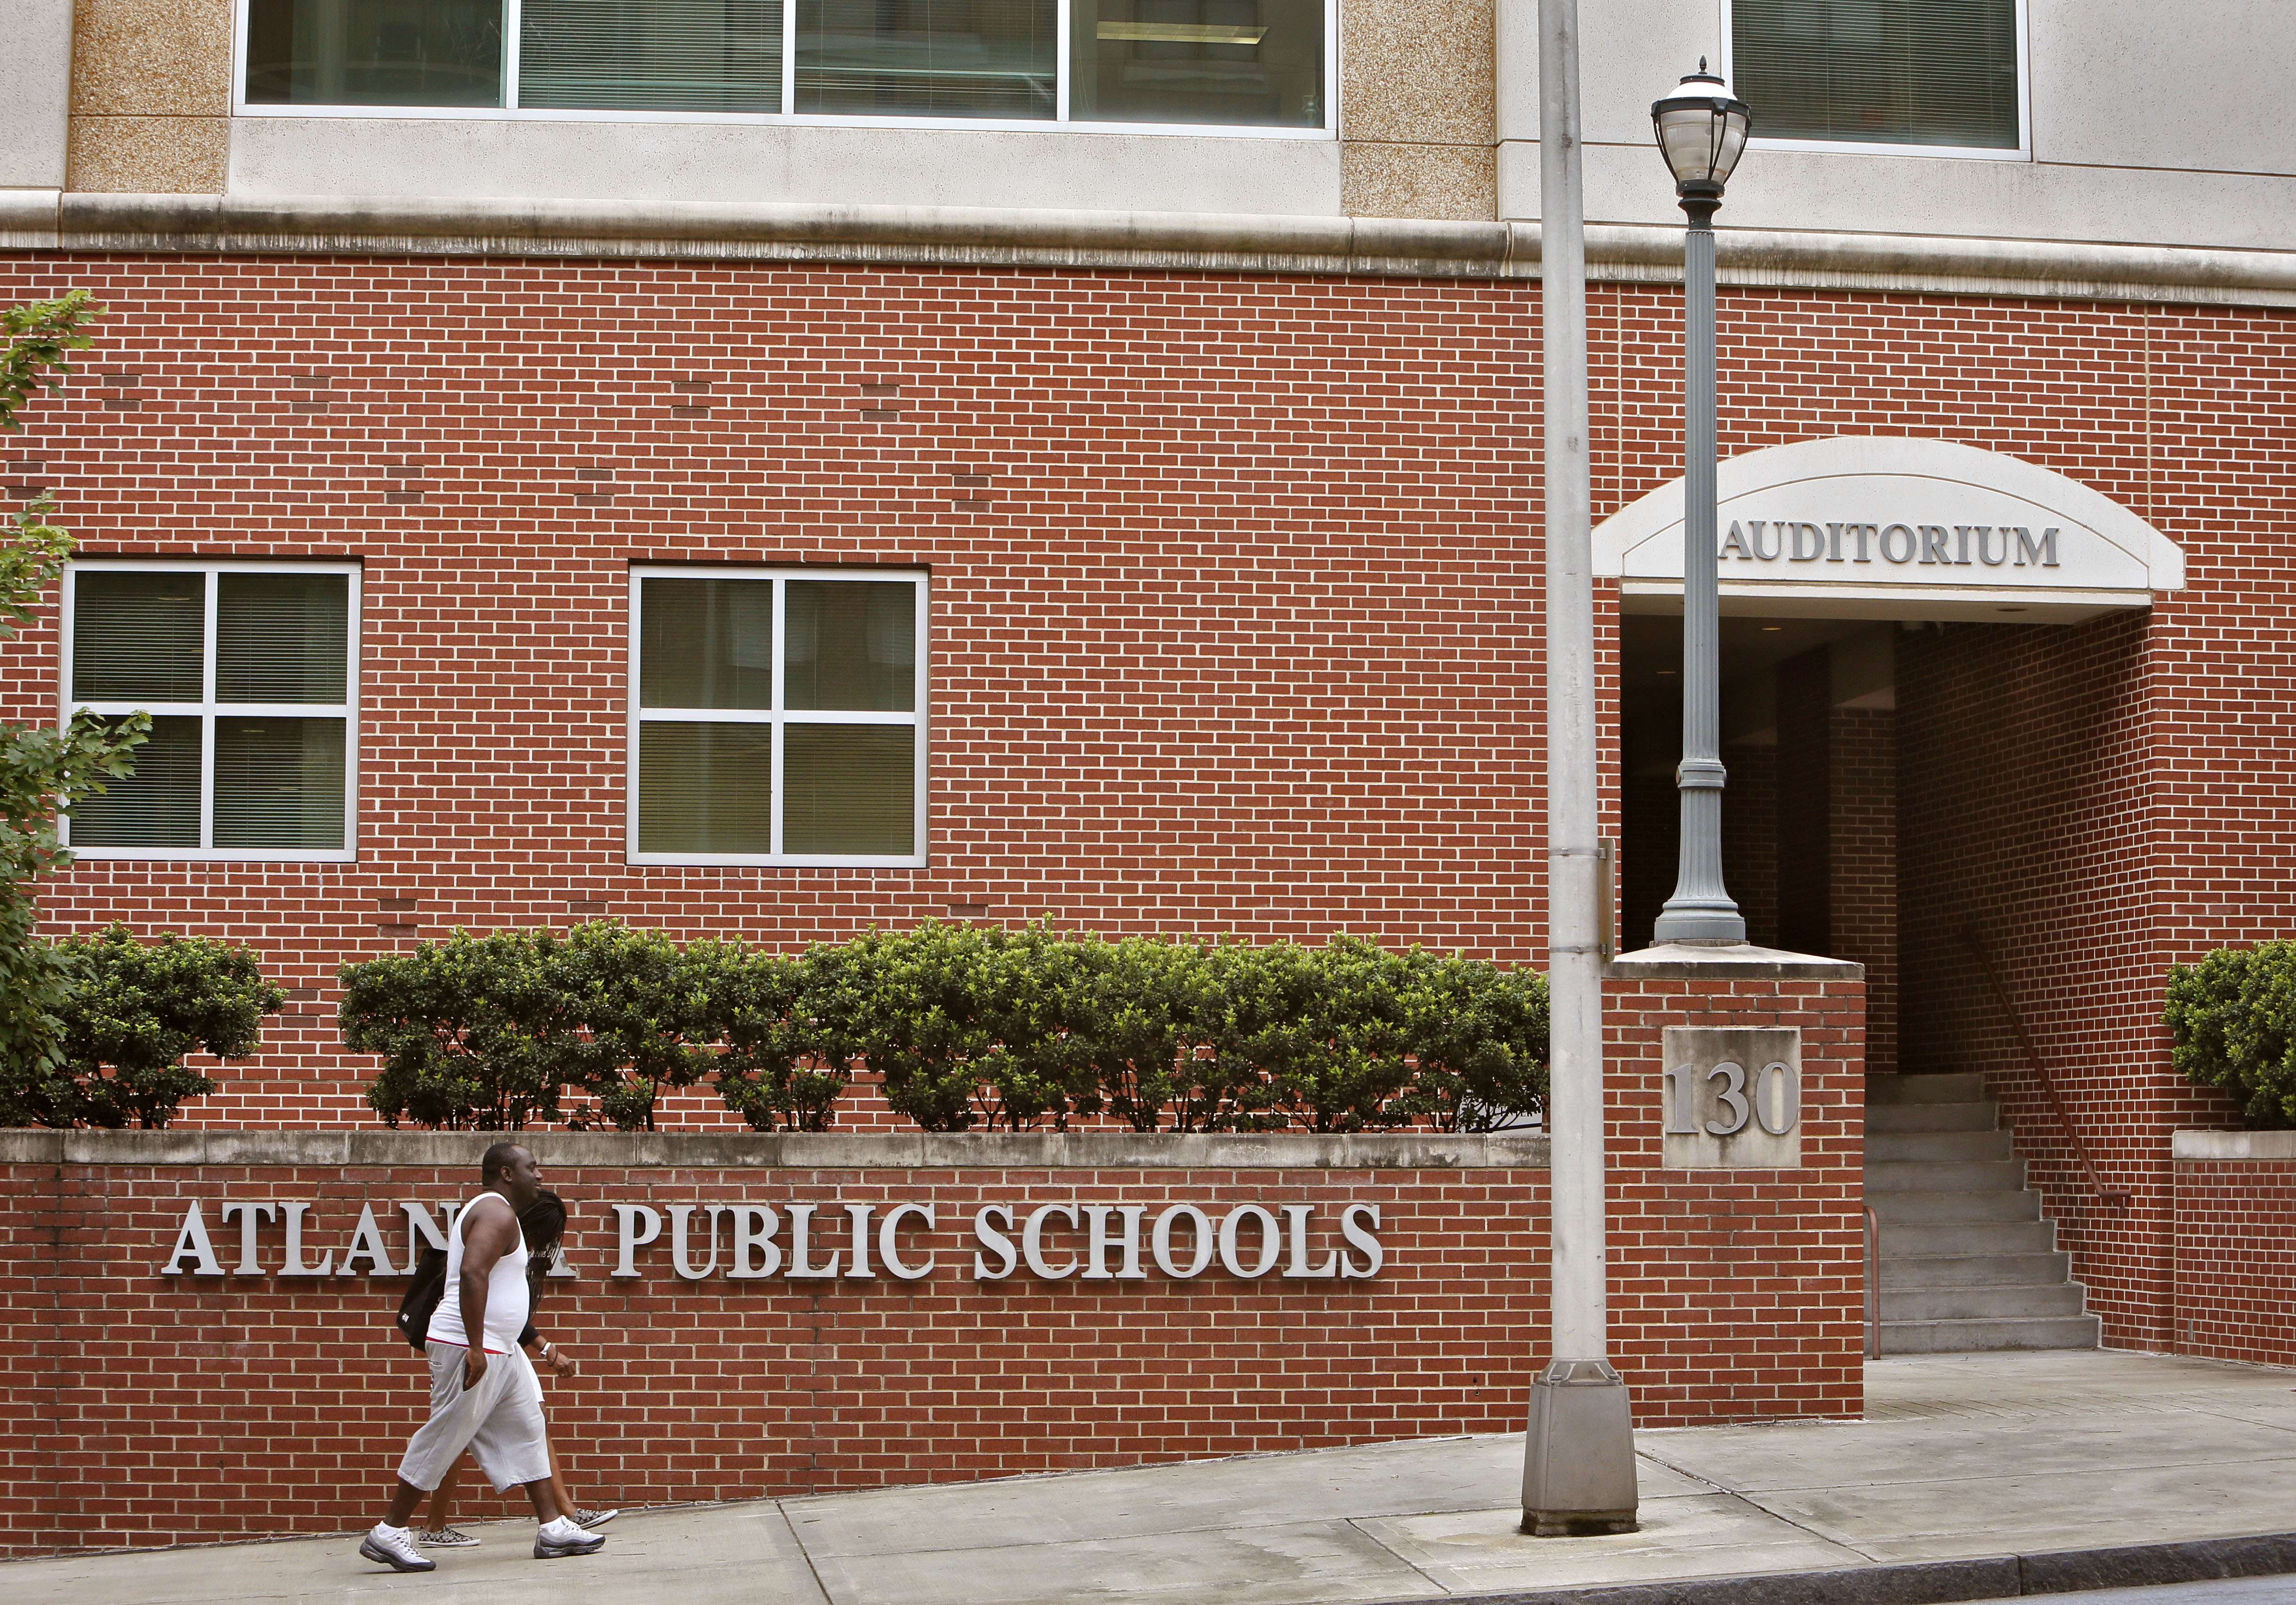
(506, 1291)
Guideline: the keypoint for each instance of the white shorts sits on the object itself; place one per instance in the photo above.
(499, 1421)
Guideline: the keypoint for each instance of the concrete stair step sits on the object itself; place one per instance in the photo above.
(2030, 1301)
(1923, 1147)
(1941, 1208)
(1893, 1118)
(1967, 1088)
(1971, 1175)
(1968, 1337)
(1980, 1266)
(1972, 1238)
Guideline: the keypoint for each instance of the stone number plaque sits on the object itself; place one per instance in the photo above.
(1733, 1097)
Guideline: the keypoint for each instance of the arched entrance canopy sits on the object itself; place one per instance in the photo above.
(1885, 527)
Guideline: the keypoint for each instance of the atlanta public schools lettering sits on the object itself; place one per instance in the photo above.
(747, 1240)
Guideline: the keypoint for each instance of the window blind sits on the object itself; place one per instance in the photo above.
(281, 637)
(705, 787)
(278, 783)
(850, 788)
(669, 55)
(158, 805)
(852, 646)
(139, 637)
(706, 644)
(927, 58)
(1918, 72)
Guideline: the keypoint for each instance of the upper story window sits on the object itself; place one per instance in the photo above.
(1940, 74)
(777, 717)
(249, 673)
(1180, 63)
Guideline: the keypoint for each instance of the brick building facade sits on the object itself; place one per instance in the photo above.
(1208, 454)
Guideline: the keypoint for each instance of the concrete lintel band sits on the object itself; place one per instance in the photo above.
(791, 1150)
(33, 220)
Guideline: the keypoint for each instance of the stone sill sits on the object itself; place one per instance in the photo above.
(789, 1150)
(47, 221)
(2232, 1145)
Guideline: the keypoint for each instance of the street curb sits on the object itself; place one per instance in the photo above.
(1944, 1582)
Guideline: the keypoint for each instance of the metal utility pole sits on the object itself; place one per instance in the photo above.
(1579, 1462)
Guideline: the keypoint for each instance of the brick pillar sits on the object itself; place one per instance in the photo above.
(1737, 1293)
(1863, 757)
(1802, 814)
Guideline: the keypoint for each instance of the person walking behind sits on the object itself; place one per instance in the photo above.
(484, 1396)
(542, 1224)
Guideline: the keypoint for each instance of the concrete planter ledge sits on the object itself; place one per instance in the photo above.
(789, 1150)
(2232, 1145)
(33, 220)
(1683, 961)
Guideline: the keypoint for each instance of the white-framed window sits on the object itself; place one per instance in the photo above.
(1242, 66)
(249, 673)
(1905, 78)
(777, 716)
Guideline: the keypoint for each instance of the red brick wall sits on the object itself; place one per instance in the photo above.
(2235, 1259)
(148, 1408)
(2026, 801)
(1244, 639)
(1767, 1265)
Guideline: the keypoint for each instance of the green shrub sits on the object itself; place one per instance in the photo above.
(788, 1053)
(131, 1012)
(475, 1031)
(1477, 1034)
(967, 1028)
(2233, 1016)
(639, 1012)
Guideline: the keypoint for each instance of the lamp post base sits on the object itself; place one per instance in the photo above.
(1578, 1466)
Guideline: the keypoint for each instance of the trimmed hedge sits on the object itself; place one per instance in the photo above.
(131, 1013)
(969, 1028)
(2233, 1018)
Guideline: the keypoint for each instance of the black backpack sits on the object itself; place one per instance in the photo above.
(423, 1296)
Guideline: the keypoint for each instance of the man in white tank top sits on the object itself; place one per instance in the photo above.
(483, 1395)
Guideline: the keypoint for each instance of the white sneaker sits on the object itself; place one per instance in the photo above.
(560, 1537)
(393, 1547)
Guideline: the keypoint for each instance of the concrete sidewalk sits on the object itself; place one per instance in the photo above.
(1959, 1457)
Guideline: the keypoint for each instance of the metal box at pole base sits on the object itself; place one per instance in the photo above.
(1578, 1476)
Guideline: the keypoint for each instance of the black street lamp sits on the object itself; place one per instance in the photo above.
(1701, 131)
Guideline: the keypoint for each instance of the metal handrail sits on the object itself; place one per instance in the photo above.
(2105, 1195)
(1873, 1284)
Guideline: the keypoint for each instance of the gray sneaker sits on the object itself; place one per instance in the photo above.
(393, 1547)
(445, 1538)
(562, 1537)
(586, 1519)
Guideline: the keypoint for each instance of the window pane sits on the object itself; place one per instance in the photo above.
(850, 788)
(158, 805)
(671, 55)
(283, 637)
(279, 783)
(1255, 62)
(852, 644)
(927, 58)
(137, 637)
(1925, 73)
(706, 644)
(374, 53)
(705, 787)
